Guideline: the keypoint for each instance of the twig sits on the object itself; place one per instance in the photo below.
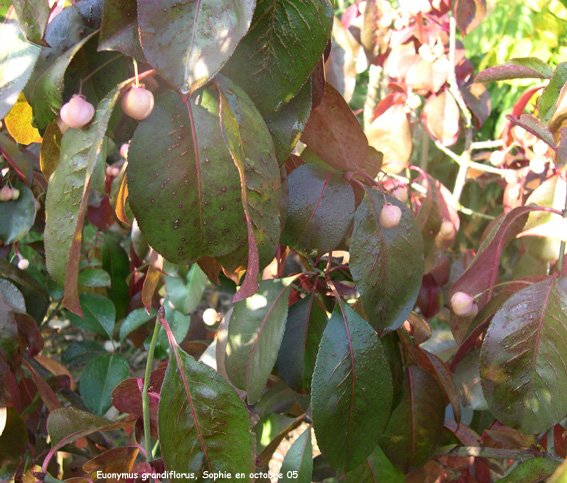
(146, 397)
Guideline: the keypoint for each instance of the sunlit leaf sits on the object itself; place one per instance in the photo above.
(19, 123)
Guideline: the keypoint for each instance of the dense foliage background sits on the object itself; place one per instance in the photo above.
(329, 247)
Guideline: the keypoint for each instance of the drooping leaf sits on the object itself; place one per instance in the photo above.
(32, 18)
(19, 122)
(469, 14)
(203, 424)
(531, 124)
(386, 263)
(441, 115)
(188, 42)
(416, 423)
(252, 150)
(99, 314)
(82, 160)
(255, 333)
(288, 123)
(197, 195)
(320, 210)
(115, 262)
(14, 70)
(304, 328)
(283, 45)
(119, 29)
(297, 465)
(17, 216)
(375, 469)
(135, 319)
(521, 68)
(82, 352)
(548, 102)
(185, 293)
(523, 363)
(351, 391)
(98, 380)
(334, 134)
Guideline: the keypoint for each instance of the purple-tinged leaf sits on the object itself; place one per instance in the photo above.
(183, 185)
(306, 321)
(548, 102)
(523, 363)
(521, 68)
(297, 465)
(203, 424)
(32, 18)
(13, 438)
(351, 391)
(256, 329)
(441, 115)
(189, 42)
(377, 468)
(416, 423)
(320, 210)
(119, 29)
(477, 97)
(467, 382)
(561, 151)
(250, 145)
(285, 42)
(469, 14)
(386, 263)
(334, 134)
(531, 124)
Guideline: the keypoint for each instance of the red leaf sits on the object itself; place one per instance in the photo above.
(469, 14)
(441, 115)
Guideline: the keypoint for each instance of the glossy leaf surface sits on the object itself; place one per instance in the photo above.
(416, 423)
(320, 210)
(119, 29)
(99, 314)
(375, 469)
(284, 43)
(32, 17)
(255, 333)
(188, 42)
(351, 391)
(523, 363)
(386, 263)
(196, 194)
(203, 424)
(298, 460)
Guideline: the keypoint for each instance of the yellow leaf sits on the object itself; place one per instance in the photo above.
(19, 122)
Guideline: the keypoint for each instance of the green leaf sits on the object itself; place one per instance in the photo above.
(386, 263)
(13, 437)
(82, 157)
(8, 329)
(297, 465)
(94, 277)
(288, 122)
(282, 47)
(79, 353)
(17, 216)
(17, 60)
(351, 391)
(416, 423)
(255, 333)
(467, 381)
(99, 314)
(203, 424)
(250, 145)
(375, 469)
(548, 102)
(523, 361)
(135, 319)
(320, 210)
(188, 42)
(533, 470)
(185, 293)
(116, 263)
(119, 30)
(306, 322)
(187, 205)
(32, 17)
(98, 380)
(521, 68)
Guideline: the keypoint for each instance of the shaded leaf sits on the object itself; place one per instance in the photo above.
(115, 262)
(20, 160)
(17, 61)
(477, 98)
(185, 293)
(469, 14)
(99, 314)
(387, 264)
(135, 319)
(119, 29)
(330, 124)
(50, 150)
(82, 352)
(523, 358)
(283, 45)
(197, 195)
(13, 437)
(351, 389)
(248, 140)
(416, 423)
(306, 321)
(521, 68)
(533, 470)
(203, 424)
(94, 277)
(115, 460)
(188, 42)
(375, 469)
(98, 380)
(319, 212)
(467, 382)
(17, 216)
(297, 465)
(9, 332)
(255, 333)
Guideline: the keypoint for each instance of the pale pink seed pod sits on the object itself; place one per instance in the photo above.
(78, 112)
(390, 215)
(462, 304)
(137, 102)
